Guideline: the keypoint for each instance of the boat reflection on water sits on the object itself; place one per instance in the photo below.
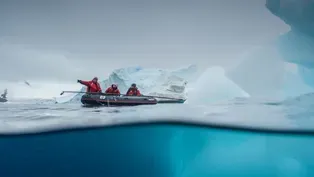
(162, 149)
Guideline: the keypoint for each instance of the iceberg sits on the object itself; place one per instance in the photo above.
(284, 67)
(150, 81)
(213, 86)
(269, 75)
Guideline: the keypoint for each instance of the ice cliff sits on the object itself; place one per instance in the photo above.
(284, 67)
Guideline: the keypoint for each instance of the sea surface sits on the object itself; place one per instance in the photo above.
(240, 137)
(39, 114)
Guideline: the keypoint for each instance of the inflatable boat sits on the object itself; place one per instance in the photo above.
(111, 100)
(123, 100)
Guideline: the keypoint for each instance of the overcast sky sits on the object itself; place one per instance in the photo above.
(71, 39)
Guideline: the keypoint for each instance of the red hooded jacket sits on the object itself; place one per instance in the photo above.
(133, 92)
(91, 86)
(110, 90)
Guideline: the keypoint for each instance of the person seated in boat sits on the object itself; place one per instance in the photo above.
(92, 86)
(113, 90)
(133, 91)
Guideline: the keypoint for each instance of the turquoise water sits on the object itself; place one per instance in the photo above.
(156, 150)
(242, 137)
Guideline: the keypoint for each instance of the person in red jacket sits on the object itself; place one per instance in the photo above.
(113, 90)
(92, 86)
(133, 91)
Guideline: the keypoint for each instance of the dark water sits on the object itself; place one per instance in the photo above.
(238, 138)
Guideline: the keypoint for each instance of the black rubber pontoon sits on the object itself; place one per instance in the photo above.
(109, 100)
(123, 100)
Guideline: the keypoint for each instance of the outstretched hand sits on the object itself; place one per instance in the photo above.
(79, 81)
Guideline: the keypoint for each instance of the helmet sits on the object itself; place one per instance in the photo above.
(133, 85)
